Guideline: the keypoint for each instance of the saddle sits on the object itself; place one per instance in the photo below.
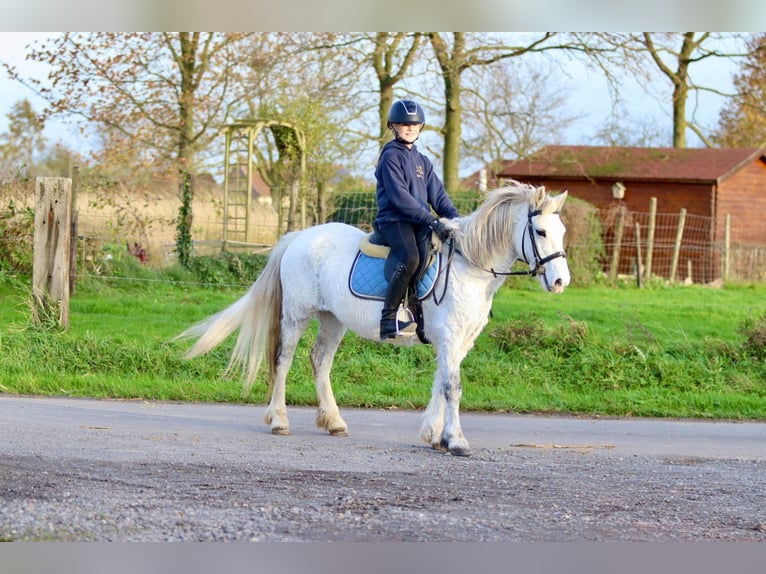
(372, 267)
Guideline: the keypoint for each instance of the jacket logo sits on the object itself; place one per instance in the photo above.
(419, 172)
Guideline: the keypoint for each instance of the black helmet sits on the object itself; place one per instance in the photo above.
(406, 112)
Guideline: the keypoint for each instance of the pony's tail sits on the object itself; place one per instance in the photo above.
(257, 315)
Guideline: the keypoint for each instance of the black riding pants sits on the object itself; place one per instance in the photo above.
(409, 245)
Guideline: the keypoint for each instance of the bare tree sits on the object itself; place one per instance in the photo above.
(166, 93)
(511, 109)
(24, 138)
(392, 59)
(742, 122)
(459, 51)
(674, 54)
(310, 81)
(622, 129)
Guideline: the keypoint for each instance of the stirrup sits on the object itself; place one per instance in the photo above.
(405, 328)
(402, 328)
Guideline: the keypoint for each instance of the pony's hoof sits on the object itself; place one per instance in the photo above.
(459, 447)
(339, 432)
(460, 451)
(281, 431)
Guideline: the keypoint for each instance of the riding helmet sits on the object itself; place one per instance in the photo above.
(406, 112)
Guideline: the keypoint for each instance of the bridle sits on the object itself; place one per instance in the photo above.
(538, 269)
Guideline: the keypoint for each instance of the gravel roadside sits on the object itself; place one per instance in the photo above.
(79, 470)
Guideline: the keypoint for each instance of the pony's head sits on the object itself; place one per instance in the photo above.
(517, 221)
(541, 240)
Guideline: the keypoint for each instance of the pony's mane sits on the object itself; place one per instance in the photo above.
(486, 233)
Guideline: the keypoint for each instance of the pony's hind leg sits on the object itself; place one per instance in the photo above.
(331, 331)
(276, 412)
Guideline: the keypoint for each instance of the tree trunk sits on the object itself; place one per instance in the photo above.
(680, 94)
(385, 56)
(187, 65)
(680, 79)
(451, 68)
(452, 133)
(681, 90)
(386, 101)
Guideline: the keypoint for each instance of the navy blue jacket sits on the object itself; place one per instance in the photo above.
(408, 187)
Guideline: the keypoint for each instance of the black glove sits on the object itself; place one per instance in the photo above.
(441, 230)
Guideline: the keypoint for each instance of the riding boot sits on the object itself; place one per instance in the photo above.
(390, 326)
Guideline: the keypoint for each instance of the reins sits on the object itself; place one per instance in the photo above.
(450, 252)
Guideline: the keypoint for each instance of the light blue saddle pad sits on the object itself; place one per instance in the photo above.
(367, 280)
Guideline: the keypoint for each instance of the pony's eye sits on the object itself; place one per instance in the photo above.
(540, 232)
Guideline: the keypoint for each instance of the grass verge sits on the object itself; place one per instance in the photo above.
(660, 351)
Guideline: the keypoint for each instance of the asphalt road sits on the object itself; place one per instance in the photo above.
(82, 470)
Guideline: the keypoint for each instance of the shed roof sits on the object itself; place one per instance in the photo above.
(259, 186)
(632, 163)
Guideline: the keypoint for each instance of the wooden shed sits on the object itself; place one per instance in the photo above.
(707, 182)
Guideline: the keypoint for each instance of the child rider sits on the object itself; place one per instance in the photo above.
(407, 191)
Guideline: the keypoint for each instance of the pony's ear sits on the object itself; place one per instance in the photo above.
(539, 197)
(560, 199)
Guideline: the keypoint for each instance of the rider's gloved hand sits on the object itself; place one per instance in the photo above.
(442, 231)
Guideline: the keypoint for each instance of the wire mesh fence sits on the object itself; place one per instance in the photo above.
(678, 247)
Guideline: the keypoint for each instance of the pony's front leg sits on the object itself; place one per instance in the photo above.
(452, 435)
(441, 423)
(433, 418)
(331, 331)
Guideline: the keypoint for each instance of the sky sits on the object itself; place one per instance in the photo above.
(12, 51)
(587, 97)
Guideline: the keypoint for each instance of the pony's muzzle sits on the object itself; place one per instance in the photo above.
(560, 279)
(558, 285)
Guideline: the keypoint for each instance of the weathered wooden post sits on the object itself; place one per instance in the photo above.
(726, 247)
(50, 268)
(677, 244)
(619, 225)
(76, 183)
(639, 280)
(650, 237)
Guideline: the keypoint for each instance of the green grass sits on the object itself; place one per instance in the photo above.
(658, 351)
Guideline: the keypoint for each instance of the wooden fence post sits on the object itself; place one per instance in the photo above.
(677, 246)
(650, 237)
(50, 267)
(639, 280)
(73, 232)
(726, 247)
(619, 226)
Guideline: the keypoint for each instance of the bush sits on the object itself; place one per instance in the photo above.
(17, 228)
(529, 333)
(583, 241)
(754, 331)
(227, 268)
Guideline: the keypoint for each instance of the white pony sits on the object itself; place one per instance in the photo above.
(306, 277)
